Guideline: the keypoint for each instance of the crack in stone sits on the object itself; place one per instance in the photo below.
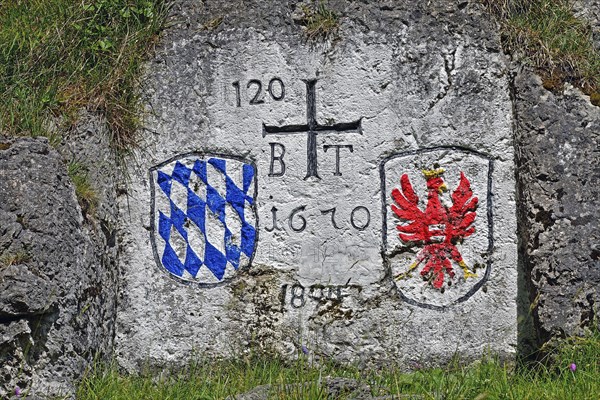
(8, 319)
(449, 66)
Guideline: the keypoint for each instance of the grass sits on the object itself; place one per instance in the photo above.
(85, 192)
(17, 258)
(487, 379)
(547, 36)
(320, 22)
(58, 56)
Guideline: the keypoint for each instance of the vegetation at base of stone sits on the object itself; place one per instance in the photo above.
(570, 371)
(547, 36)
(8, 259)
(86, 195)
(319, 21)
(57, 56)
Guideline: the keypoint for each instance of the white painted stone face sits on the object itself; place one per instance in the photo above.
(326, 137)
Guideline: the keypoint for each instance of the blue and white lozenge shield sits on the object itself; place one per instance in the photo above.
(204, 216)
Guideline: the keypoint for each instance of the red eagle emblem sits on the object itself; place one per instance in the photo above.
(439, 228)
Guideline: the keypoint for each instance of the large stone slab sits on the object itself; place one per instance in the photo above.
(356, 197)
(57, 279)
(558, 210)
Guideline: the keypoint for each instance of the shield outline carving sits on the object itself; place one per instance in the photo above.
(153, 228)
(385, 210)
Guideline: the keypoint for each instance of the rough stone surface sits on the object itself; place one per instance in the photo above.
(88, 144)
(57, 279)
(424, 82)
(558, 158)
(332, 388)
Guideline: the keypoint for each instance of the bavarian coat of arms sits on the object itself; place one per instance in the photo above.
(204, 216)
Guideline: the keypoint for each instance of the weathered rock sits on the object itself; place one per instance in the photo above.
(403, 86)
(258, 393)
(331, 387)
(24, 293)
(558, 158)
(57, 289)
(88, 144)
(347, 388)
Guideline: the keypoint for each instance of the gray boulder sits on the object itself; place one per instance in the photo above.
(57, 284)
(558, 173)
